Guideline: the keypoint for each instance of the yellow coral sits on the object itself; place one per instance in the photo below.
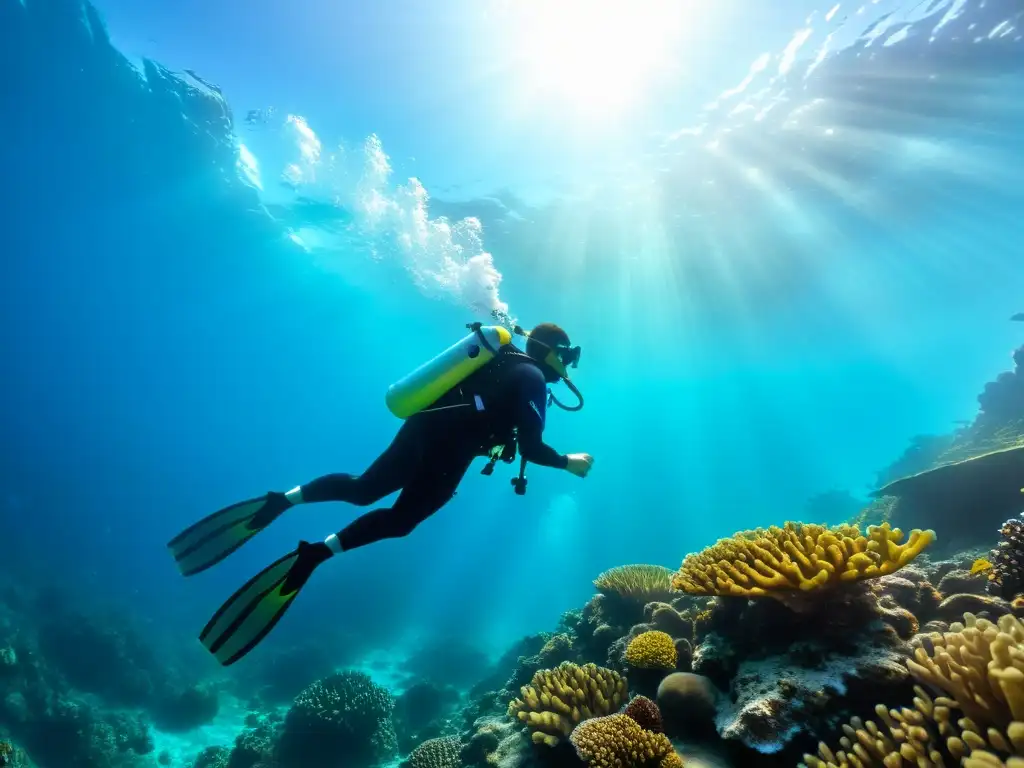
(797, 557)
(652, 650)
(636, 583)
(981, 666)
(557, 699)
(617, 741)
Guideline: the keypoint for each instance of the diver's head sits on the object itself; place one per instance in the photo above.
(548, 344)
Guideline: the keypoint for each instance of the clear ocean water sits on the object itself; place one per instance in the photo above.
(787, 236)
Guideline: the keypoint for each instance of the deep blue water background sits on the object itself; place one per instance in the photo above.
(167, 349)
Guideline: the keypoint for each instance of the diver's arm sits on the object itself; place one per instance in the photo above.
(532, 394)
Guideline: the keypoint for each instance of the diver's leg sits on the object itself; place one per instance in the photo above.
(389, 472)
(432, 486)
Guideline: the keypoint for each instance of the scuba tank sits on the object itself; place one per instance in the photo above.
(423, 386)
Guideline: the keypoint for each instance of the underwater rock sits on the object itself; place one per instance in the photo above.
(776, 705)
(955, 606)
(345, 713)
(688, 704)
(497, 742)
(787, 673)
(959, 582)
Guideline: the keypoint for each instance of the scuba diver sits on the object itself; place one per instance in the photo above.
(480, 397)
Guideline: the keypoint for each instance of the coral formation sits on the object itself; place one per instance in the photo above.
(618, 741)
(345, 713)
(646, 713)
(979, 665)
(557, 699)
(652, 650)
(687, 703)
(442, 752)
(1006, 574)
(797, 557)
(627, 588)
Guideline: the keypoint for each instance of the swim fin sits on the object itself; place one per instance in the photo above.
(249, 614)
(215, 537)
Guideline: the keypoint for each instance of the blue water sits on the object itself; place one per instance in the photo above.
(799, 250)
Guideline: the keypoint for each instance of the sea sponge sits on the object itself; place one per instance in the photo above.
(797, 557)
(652, 650)
(618, 741)
(558, 699)
(981, 723)
(442, 752)
(646, 714)
(637, 584)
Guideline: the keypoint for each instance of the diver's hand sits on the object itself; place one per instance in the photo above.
(580, 463)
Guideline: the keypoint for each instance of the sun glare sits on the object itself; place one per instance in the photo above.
(596, 58)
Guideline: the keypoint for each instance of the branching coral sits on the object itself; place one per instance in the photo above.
(797, 557)
(618, 741)
(442, 752)
(652, 650)
(638, 584)
(557, 699)
(345, 713)
(980, 665)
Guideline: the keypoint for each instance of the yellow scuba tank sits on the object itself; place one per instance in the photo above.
(427, 383)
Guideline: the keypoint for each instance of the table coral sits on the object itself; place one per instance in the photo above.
(618, 741)
(558, 699)
(652, 650)
(980, 666)
(797, 557)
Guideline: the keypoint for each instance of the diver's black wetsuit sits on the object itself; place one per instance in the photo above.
(433, 450)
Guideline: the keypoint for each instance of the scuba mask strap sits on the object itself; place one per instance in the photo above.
(555, 362)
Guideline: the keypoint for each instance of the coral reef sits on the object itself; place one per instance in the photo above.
(618, 741)
(627, 588)
(980, 721)
(1006, 574)
(557, 699)
(652, 650)
(797, 557)
(345, 713)
(646, 713)
(442, 752)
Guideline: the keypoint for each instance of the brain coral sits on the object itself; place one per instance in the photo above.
(979, 723)
(797, 557)
(618, 741)
(557, 699)
(652, 650)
